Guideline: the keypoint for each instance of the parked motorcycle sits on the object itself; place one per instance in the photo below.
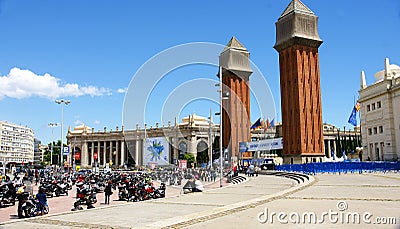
(85, 196)
(160, 192)
(7, 194)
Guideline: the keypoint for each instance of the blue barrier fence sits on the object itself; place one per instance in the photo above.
(340, 167)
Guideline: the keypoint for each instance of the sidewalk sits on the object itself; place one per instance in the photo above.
(163, 212)
(238, 206)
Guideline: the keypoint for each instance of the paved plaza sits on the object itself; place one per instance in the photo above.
(371, 195)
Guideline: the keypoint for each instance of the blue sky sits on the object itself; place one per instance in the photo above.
(91, 49)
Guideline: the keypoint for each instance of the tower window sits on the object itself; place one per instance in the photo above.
(369, 131)
(373, 106)
(368, 107)
(380, 129)
(378, 104)
(375, 130)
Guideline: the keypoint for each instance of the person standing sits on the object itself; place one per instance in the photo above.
(256, 170)
(42, 198)
(36, 176)
(108, 192)
(21, 198)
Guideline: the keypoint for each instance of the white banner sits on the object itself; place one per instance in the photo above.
(262, 145)
(156, 151)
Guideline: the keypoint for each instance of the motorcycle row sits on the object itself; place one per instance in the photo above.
(137, 187)
(51, 185)
(12, 191)
(87, 186)
(132, 187)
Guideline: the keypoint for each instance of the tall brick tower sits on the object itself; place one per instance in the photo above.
(297, 42)
(236, 72)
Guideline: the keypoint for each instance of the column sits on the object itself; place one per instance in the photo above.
(111, 151)
(137, 151)
(193, 146)
(116, 155)
(329, 148)
(84, 154)
(104, 153)
(92, 152)
(334, 147)
(98, 152)
(122, 152)
(175, 149)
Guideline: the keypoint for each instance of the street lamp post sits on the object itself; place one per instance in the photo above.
(73, 155)
(62, 102)
(211, 140)
(52, 125)
(222, 96)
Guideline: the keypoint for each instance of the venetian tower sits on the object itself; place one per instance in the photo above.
(236, 71)
(297, 42)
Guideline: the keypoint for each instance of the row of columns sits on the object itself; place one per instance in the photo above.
(120, 150)
(105, 150)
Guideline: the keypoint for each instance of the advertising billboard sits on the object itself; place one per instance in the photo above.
(262, 145)
(156, 151)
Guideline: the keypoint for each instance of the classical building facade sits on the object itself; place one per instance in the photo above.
(16, 143)
(235, 64)
(297, 42)
(380, 109)
(126, 147)
(195, 134)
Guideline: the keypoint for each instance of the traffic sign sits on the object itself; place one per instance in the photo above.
(65, 150)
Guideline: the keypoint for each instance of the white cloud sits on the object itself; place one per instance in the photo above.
(21, 83)
(96, 122)
(78, 122)
(121, 90)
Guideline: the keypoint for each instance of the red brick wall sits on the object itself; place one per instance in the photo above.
(236, 113)
(301, 101)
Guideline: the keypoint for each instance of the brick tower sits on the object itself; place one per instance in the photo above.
(236, 72)
(297, 42)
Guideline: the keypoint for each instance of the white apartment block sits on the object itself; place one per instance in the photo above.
(380, 114)
(16, 143)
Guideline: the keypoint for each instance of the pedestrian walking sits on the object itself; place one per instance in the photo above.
(108, 192)
(36, 176)
(256, 170)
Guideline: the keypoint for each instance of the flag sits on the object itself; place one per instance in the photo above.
(256, 124)
(262, 124)
(344, 155)
(266, 126)
(272, 123)
(358, 106)
(269, 124)
(353, 117)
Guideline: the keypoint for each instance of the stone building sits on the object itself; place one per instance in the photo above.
(16, 143)
(194, 134)
(380, 109)
(126, 147)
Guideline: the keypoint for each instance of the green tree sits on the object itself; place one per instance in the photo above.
(56, 151)
(189, 157)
